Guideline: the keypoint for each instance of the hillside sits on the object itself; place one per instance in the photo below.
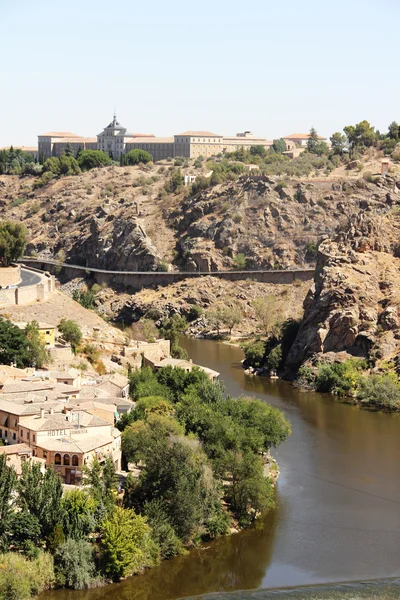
(123, 218)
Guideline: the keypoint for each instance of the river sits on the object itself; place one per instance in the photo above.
(338, 506)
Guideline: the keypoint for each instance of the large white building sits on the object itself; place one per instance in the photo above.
(116, 140)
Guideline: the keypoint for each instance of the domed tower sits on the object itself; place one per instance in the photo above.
(112, 139)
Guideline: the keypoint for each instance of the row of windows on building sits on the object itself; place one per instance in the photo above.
(66, 460)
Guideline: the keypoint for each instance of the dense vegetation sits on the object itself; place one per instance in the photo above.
(12, 242)
(350, 381)
(198, 443)
(24, 347)
(197, 449)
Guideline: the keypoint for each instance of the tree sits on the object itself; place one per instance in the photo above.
(36, 347)
(394, 131)
(126, 544)
(12, 242)
(134, 157)
(78, 514)
(68, 150)
(71, 332)
(103, 482)
(171, 329)
(360, 136)
(40, 495)
(175, 182)
(52, 165)
(240, 262)
(266, 313)
(8, 479)
(338, 143)
(13, 344)
(24, 530)
(279, 146)
(74, 564)
(90, 159)
(258, 151)
(68, 165)
(313, 141)
(141, 439)
(231, 316)
(162, 531)
(251, 492)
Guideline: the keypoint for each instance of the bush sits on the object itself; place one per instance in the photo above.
(195, 312)
(20, 577)
(254, 354)
(382, 391)
(240, 262)
(89, 159)
(134, 157)
(74, 564)
(71, 332)
(339, 378)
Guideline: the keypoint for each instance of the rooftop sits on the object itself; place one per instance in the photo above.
(76, 445)
(57, 421)
(60, 134)
(149, 140)
(199, 134)
(16, 449)
(301, 136)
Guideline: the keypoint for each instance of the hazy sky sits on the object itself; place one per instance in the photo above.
(273, 67)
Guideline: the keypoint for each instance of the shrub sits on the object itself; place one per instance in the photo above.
(382, 391)
(89, 159)
(154, 314)
(134, 157)
(92, 353)
(20, 577)
(71, 332)
(339, 378)
(195, 312)
(74, 564)
(274, 358)
(254, 354)
(240, 262)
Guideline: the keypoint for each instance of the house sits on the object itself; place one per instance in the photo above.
(18, 454)
(123, 405)
(70, 377)
(103, 410)
(47, 333)
(299, 139)
(187, 365)
(115, 385)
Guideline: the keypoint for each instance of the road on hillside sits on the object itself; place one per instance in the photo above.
(29, 278)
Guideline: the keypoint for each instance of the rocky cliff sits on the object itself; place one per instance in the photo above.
(123, 217)
(353, 305)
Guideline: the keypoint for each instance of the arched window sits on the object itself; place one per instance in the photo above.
(66, 460)
(75, 460)
(57, 459)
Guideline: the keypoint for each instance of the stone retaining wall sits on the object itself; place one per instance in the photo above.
(29, 293)
(10, 275)
(137, 280)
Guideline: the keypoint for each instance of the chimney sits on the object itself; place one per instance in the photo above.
(42, 413)
(52, 411)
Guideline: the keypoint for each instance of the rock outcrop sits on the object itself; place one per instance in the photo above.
(353, 305)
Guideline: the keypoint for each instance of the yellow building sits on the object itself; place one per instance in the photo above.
(47, 332)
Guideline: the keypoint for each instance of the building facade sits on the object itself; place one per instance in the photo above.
(116, 140)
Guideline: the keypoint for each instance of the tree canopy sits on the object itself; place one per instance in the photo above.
(13, 242)
(134, 157)
(90, 159)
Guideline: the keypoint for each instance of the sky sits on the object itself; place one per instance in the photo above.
(271, 67)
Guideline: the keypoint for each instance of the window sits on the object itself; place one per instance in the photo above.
(57, 459)
(75, 460)
(14, 436)
(66, 460)
(34, 438)
(47, 332)
(28, 435)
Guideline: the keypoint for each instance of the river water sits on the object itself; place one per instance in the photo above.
(338, 507)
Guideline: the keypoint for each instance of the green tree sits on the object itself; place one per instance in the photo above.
(175, 182)
(68, 165)
(171, 329)
(13, 344)
(231, 316)
(74, 564)
(52, 165)
(258, 151)
(8, 480)
(134, 157)
(162, 531)
(394, 131)
(141, 439)
(126, 544)
(36, 348)
(313, 141)
(239, 262)
(251, 492)
(360, 136)
(12, 242)
(78, 509)
(267, 313)
(21, 577)
(279, 146)
(71, 332)
(338, 143)
(40, 495)
(90, 159)
(103, 482)
(68, 150)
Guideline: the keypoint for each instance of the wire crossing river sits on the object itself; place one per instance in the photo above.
(338, 505)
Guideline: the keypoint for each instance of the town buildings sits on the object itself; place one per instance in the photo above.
(43, 414)
(116, 140)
